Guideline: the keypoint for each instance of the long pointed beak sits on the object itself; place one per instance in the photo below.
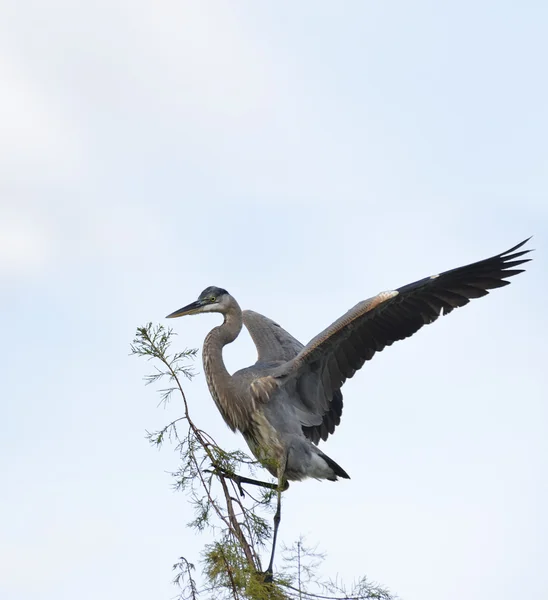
(189, 309)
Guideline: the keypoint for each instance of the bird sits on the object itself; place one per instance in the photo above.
(290, 399)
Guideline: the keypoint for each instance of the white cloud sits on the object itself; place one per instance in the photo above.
(37, 141)
(25, 245)
(201, 54)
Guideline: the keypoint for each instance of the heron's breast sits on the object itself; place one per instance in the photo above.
(264, 441)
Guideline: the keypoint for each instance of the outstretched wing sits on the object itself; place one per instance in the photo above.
(333, 356)
(275, 344)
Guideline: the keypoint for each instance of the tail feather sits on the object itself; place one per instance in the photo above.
(337, 470)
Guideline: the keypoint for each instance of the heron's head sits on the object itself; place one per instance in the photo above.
(212, 299)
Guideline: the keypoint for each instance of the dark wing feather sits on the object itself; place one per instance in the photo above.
(333, 356)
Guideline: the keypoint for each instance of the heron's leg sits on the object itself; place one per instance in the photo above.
(277, 518)
(239, 479)
(282, 485)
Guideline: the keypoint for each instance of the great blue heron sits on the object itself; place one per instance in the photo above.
(291, 397)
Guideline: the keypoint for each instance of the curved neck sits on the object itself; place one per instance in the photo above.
(218, 378)
(232, 325)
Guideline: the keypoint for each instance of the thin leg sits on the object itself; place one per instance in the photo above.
(282, 485)
(239, 479)
(277, 518)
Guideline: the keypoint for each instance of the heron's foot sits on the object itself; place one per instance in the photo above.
(237, 479)
(268, 576)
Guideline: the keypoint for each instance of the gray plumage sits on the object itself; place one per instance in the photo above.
(290, 399)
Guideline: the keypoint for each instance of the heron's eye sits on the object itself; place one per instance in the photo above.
(212, 299)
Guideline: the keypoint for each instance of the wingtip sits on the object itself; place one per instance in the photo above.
(527, 240)
(520, 245)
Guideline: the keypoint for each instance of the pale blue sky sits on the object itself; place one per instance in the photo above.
(304, 156)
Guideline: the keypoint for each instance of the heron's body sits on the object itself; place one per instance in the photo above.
(291, 397)
(275, 436)
(271, 429)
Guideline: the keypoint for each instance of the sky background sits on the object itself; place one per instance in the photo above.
(304, 156)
